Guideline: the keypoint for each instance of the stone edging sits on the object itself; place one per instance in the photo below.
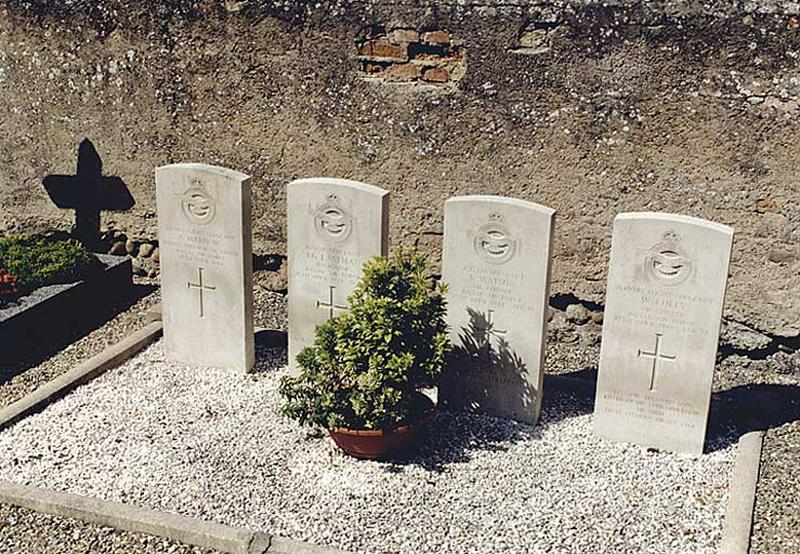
(83, 373)
(184, 529)
(741, 501)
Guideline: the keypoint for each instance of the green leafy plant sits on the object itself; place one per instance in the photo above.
(36, 261)
(367, 364)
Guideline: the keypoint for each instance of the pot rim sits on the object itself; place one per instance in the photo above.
(402, 428)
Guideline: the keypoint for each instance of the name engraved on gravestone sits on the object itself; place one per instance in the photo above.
(334, 226)
(666, 288)
(496, 261)
(205, 241)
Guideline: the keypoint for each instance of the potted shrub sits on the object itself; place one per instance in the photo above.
(362, 378)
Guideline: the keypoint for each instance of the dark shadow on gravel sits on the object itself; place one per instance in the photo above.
(454, 437)
(37, 349)
(747, 408)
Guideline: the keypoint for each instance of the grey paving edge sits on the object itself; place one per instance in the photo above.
(741, 502)
(83, 373)
(207, 534)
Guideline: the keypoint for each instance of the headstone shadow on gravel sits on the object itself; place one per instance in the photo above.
(747, 408)
(454, 437)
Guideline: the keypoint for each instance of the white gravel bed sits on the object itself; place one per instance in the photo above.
(210, 444)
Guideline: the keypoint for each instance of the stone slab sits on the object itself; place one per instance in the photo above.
(666, 289)
(496, 261)
(55, 310)
(205, 241)
(129, 518)
(334, 226)
(83, 373)
(742, 497)
(198, 532)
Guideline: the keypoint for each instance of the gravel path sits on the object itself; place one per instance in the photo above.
(209, 444)
(27, 532)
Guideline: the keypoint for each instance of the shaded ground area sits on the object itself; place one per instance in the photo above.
(777, 516)
(24, 531)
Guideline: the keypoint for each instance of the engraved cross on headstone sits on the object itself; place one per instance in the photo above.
(656, 355)
(330, 304)
(201, 287)
(487, 329)
(88, 192)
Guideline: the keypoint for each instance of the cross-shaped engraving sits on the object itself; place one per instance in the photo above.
(201, 287)
(88, 192)
(656, 355)
(330, 304)
(487, 329)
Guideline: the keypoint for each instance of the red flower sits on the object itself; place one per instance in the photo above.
(8, 283)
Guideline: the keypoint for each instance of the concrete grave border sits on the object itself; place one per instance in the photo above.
(207, 534)
(738, 526)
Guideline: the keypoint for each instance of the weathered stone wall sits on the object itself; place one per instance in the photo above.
(676, 106)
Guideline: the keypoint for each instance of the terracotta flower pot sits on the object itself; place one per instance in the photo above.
(380, 445)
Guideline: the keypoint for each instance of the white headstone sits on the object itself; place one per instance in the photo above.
(666, 288)
(334, 226)
(205, 245)
(496, 261)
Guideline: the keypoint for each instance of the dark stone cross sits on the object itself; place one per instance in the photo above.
(88, 192)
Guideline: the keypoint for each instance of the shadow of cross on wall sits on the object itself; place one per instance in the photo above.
(88, 192)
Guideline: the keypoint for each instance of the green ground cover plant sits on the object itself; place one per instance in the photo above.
(35, 262)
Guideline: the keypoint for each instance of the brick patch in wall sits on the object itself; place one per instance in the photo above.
(408, 55)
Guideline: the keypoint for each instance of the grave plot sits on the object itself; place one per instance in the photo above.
(48, 289)
(209, 443)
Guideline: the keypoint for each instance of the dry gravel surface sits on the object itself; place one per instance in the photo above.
(210, 444)
(777, 513)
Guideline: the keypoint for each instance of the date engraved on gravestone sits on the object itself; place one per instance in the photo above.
(496, 262)
(666, 288)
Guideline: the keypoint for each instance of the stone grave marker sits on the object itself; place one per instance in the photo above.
(496, 260)
(334, 226)
(205, 241)
(666, 288)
